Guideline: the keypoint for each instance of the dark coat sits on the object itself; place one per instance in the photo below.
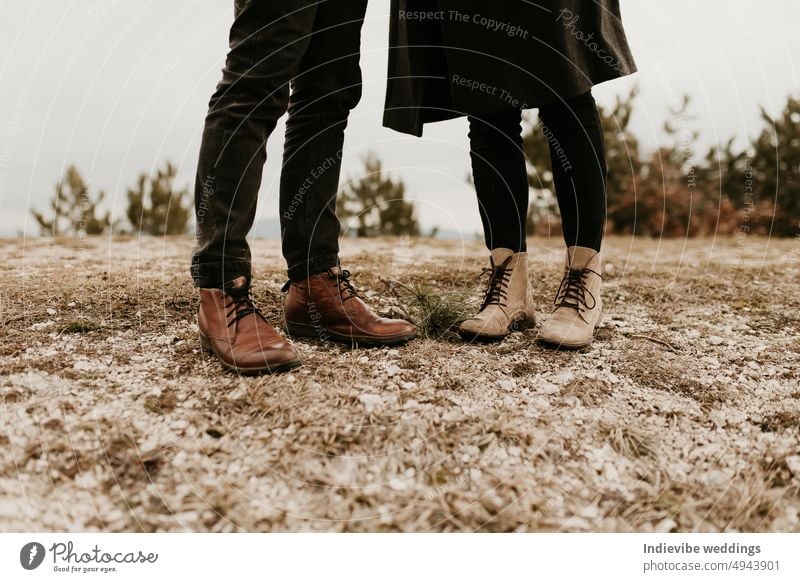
(499, 54)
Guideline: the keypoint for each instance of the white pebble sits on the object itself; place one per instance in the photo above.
(507, 384)
(370, 401)
(393, 370)
(550, 388)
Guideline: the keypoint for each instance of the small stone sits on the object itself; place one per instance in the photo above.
(393, 370)
(716, 478)
(540, 402)
(610, 472)
(86, 480)
(370, 401)
(563, 378)
(736, 418)
(550, 388)
(507, 384)
(82, 365)
(180, 424)
(793, 463)
(453, 415)
(715, 340)
(666, 525)
(51, 311)
(372, 490)
(718, 418)
(385, 515)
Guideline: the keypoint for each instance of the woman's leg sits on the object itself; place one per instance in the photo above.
(501, 178)
(501, 181)
(579, 171)
(578, 158)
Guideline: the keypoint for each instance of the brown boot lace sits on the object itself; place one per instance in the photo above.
(499, 277)
(240, 304)
(573, 293)
(342, 277)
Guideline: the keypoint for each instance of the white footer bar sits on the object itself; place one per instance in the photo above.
(406, 557)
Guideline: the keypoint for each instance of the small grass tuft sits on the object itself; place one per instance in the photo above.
(629, 441)
(436, 313)
(588, 392)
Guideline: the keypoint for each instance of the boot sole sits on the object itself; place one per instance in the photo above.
(516, 326)
(557, 345)
(277, 369)
(564, 346)
(302, 330)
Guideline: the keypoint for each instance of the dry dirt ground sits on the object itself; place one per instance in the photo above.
(683, 415)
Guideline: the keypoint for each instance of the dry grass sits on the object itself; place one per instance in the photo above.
(683, 416)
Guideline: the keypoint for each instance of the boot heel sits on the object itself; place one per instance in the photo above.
(205, 344)
(522, 324)
(297, 330)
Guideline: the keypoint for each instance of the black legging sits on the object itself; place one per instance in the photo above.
(577, 156)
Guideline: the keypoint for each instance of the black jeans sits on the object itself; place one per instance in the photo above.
(314, 45)
(578, 162)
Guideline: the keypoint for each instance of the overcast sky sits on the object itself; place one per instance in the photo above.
(118, 86)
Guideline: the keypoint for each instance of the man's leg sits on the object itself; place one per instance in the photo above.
(268, 41)
(321, 302)
(325, 90)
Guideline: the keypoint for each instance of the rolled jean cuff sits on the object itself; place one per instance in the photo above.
(313, 266)
(215, 275)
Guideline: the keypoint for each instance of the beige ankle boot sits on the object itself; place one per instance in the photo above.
(578, 304)
(507, 305)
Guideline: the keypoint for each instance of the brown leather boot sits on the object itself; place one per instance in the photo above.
(326, 306)
(234, 330)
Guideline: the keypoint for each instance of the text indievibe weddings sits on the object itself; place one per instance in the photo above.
(686, 548)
